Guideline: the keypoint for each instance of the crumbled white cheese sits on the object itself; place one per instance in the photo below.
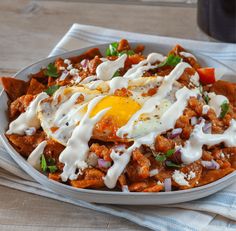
(153, 172)
(191, 175)
(195, 79)
(222, 155)
(74, 71)
(30, 131)
(70, 67)
(197, 182)
(62, 68)
(205, 109)
(67, 61)
(160, 183)
(179, 178)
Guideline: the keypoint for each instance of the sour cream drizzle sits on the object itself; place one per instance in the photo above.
(28, 118)
(216, 102)
(75, 154)
(167, 122)
(34, 157)
(106, 70)
(150, 104)
(192, 149)
(187, 55)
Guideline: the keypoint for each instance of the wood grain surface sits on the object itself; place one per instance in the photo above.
(28, 31)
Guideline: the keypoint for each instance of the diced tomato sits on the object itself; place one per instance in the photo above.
(207, 75)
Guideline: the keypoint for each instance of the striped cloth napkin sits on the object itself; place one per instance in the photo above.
(216, 212)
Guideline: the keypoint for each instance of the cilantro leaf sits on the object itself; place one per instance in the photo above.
(206, 98)
(171, 164)
(52, 89)
(170, 152)
(171, 60)
(43, 163)
(112, 49)
(52, 168)
(129, 52)
(117, 73)
(224, 109)
(160, 158)
(51, 71)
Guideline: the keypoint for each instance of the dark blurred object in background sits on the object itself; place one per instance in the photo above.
(217, 18)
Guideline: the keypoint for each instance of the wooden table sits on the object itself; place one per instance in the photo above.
(28, 31)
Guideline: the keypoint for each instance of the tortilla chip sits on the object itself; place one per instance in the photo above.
(14, 87)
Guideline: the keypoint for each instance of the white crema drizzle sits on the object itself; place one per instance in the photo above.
(28, 118)
(150, 104)
(75, 154)
(167, 122)
(192, 149)
(106, 70)
(34, 157)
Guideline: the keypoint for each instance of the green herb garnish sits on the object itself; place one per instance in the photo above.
(171, 60)
(162, 158)
(52, 89)
(43, 163)
(129, 52)
(206, 98)
(171, 164)
(170, 152)
(112, 49)
(45, 167)
(51, 71)
(224, 109)
(52, 168)
(117, 73)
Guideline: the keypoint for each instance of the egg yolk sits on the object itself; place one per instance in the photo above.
(121, 108)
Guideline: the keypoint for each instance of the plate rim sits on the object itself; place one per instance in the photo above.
(17, 157)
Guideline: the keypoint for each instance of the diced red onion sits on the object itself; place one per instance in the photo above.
(167, 184)
(103, 163)
(210, 164)
(63, 75)
(153, 172)
(193, 120)
(175, 132)
(125, 188)
(84, 63)
(207, 128)
(30, 131)
(176, 157)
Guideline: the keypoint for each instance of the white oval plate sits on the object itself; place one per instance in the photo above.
(113, 197)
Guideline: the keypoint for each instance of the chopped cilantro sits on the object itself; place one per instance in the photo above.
(162, 158)
(224, 109)
(112, 49)
(171, 164)
(52, 168)
(45, 167)
(51, 71)
(171, 60)
(129, 52)
(206, 98)
(170, 152)
(43, 163)
(52, 89)
(117, 73)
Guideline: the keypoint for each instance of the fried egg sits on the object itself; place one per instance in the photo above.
(61, 113)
